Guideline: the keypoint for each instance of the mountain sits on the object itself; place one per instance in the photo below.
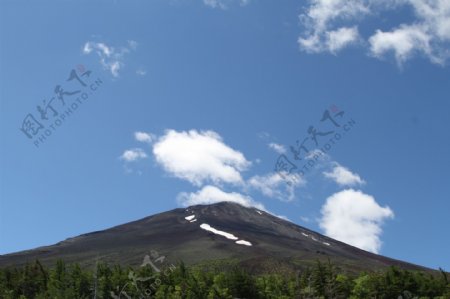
(199, 234)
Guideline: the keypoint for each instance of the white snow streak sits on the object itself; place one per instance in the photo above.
(218, 232)
(189, 218)
(243, 242)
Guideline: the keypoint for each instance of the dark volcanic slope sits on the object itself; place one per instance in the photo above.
(273, 241)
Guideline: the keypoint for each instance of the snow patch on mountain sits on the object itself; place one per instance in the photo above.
(243, 242)
(189, 218)
(218, 232)
(315, 239)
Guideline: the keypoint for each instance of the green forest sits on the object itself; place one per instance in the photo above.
(322, 280)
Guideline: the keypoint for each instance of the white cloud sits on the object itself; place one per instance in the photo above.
(275, 186)
(403, 42)
(278, 148)
(211, 195)
(341, 38)
(332, 41)
(110, 58)
(318, 21)
(101, 47)
(224, 4)
(144, 137)
(343, 176)
(132, 155)
(199, 157)
(321, 13)
(427, 34)
(355, 218)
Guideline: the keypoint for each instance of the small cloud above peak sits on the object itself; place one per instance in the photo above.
(212, 194)
(199, 157)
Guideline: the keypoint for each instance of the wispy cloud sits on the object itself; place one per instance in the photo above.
(429, 35)
(321, 34)
(354, 218)
(224, 4)
(331, 26)
(134, 154)
(141, 72)
(343, 176)
(112, 59)
(275, 186)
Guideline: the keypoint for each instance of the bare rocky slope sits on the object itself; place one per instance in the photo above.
(204, 233)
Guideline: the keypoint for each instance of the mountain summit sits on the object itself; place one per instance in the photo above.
(202, 233)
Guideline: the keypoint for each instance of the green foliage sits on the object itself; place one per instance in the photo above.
(323, 280)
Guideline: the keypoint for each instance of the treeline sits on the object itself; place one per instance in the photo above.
(324, 280)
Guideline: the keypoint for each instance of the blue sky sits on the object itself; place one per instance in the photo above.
(194, 101)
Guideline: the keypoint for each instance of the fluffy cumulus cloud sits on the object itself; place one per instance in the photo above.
(332, 25)
(403, 42)
(112, 59)
(134, 154)
(212, 194)
(275, 186)
(199, 157)
(224, 4)
(354, 218)
(343, 176)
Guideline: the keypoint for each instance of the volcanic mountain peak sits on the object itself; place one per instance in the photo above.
(205, 233)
